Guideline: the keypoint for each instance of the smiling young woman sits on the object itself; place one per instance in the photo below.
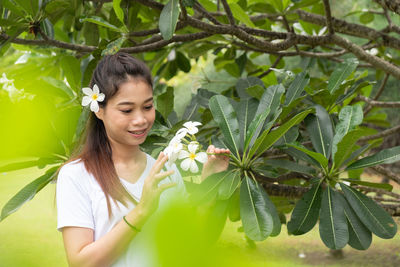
(110, 189)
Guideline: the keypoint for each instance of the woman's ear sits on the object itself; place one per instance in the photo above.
(100, 113)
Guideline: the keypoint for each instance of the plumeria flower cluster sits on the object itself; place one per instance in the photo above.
(92, 97)
(186, 150)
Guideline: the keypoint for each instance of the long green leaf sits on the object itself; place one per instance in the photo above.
(257, 221)
(225, 116)
(267, 139)
(385, 156)
(255, 128)
(296, 87)
(246, 111)
(333, 228)
(271, 99)
(229, 185)
(168, 19)
(306, 211)
(60, 85)
(341, 73)
(315, 155)
(319, 127)
(27, 164)
(373, 216)
(359, 236)
(349, 118)
(27, 193)
(346, 147)
(100, 21)
(277, 226)
(387, 187)
(118, 10)
(247, 82)
(69, 65)
(208, 189)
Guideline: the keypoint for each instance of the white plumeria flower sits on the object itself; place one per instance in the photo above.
(173, 149)
(190, 158)
(92, 97)
(181, 133)
(191, 126)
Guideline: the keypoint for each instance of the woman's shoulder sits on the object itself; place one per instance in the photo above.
(73, 170)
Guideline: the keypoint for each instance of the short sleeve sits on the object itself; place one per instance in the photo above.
(73, 202)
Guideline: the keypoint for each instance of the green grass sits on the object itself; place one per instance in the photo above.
(29, 238)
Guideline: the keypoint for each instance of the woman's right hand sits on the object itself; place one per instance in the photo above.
(151, 191)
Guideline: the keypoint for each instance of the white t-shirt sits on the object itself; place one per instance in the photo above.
(81, 202)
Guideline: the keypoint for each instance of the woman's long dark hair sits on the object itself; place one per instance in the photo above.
(94, 149)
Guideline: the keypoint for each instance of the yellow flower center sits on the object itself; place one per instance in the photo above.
(95, 96)
(192, 156)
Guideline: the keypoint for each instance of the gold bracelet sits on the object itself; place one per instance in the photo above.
(131, 226)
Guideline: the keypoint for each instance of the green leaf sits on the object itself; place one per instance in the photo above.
(305, 213)
(100, 21)
(257, 221)
(27, 193)
(240, 14)
(72, 71)
(243, 83)
(256, 91)
(373, 216)
(255, 129)
(349, 118)
(80, 127)
(341, 73)
(229, 185)
(208, 189)
(385, 156)
(296, 87)
(113, 47)
(271, 99)
(346, 147)
(332, 224)
(271, 209)
(183, 62)
(165, 102)
(366, 17)
(225, 116)
(27, 164)
(246, 110)
(359, 236)
(168, 19)
(118, 10)
(319, 127)
(387, 187)
(267, 139)
(315, 155)
(60, 85)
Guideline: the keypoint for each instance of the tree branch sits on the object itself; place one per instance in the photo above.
(385, 133)
(328, 17)
(228, 12)
(387, 104)
(388, 173)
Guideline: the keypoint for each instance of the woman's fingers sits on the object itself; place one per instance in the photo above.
(161, 188)
(159, 164)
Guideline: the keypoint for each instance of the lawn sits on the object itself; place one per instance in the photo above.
(29, 238)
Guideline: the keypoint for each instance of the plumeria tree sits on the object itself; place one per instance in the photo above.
(295, 89)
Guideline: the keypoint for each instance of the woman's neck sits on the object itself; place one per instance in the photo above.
(126, 155)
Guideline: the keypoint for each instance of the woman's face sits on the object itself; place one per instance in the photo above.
(129, 114)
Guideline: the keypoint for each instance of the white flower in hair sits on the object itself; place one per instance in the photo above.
(92, 97)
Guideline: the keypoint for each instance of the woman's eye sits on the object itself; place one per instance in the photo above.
(148, 107)
(126, 111)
